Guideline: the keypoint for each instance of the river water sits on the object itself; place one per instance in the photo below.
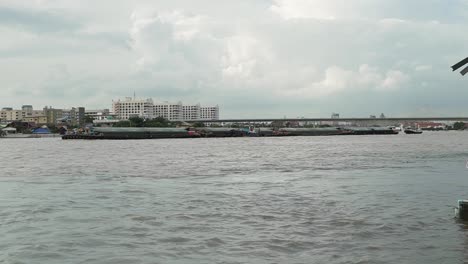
(342, 199)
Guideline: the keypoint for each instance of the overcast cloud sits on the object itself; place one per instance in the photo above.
(255, 58)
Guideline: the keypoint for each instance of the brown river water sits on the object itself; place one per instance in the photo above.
(342, 199)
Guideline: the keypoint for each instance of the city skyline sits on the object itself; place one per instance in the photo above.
(266, 58)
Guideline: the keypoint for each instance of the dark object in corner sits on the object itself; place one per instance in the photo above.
(461, 64)
(462, 210)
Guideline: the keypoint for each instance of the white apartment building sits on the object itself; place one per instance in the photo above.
(124, 109)
(191, 112)
(197, 112)
(209, 113)
(171, 111)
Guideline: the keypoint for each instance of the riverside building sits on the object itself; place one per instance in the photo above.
(124, 109)
(169, 111)
(74, 116)
(99, 114)
(8, 114)
(46, 116)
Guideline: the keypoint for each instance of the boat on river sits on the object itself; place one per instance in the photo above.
(412, 131)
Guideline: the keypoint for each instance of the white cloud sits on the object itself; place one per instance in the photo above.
(244, 56)
(337, 80)
(420, 68)
(278, 51)
(393, 80)
(289, 9)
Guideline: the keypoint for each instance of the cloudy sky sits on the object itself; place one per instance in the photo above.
(255, 58)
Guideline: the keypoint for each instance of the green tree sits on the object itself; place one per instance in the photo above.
(158, 122)
(88, 119)
(136, 121)
(459, 126)
(198, 124)
(140, 122)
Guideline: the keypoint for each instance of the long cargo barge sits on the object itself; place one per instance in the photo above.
(154, 133)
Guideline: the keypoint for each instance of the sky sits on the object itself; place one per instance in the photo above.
(254, 58)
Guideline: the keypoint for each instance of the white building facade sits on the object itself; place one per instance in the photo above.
(209, 113)
(124, 109)
(192, 112)
(169, 111)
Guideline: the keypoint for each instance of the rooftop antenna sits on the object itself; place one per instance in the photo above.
(134, 95)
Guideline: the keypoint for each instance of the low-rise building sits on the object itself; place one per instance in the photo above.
(8, 114)
(37, 120)
(53, 115)
(99, 114)
(74, 116)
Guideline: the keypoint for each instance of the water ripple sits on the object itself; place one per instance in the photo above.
(242, 200)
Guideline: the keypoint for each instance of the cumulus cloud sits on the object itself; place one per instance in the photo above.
(337, 79)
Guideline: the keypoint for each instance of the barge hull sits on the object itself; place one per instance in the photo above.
(161, 133)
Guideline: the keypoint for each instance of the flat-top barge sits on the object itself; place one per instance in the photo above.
(154, 133)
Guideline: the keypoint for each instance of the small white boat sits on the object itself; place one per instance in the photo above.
(412, 131)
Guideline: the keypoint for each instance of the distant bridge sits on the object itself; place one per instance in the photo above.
(352, 119)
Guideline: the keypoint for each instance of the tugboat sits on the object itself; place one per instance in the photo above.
(412, 131)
